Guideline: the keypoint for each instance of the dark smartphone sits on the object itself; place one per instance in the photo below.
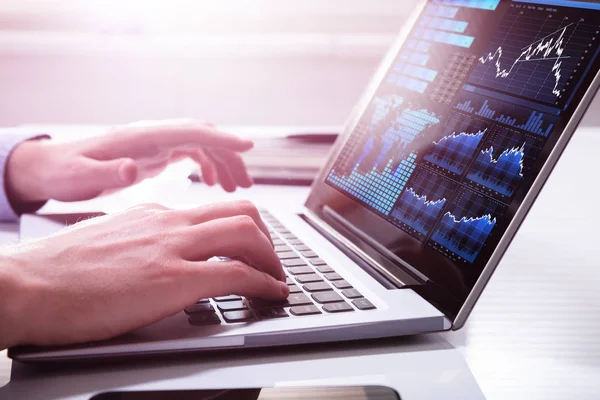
(281, 393)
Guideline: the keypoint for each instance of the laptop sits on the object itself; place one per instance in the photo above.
(422, 193)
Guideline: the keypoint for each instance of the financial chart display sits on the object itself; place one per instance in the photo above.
(465, 118)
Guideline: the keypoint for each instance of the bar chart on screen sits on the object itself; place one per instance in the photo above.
(539, 122)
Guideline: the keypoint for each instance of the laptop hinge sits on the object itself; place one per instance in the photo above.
(370, 255)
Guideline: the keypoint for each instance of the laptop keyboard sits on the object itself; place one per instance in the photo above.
(315, 288)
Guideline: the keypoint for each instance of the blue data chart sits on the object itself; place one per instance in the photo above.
(536, 52)
(466, 225)
(518, 116)
(454, 151)
(377, 159)
(385, 133)
(415, 68)
(504, 161)
(421, 203)
(399, 131)
(501, 173)
(379, 190)
(482, 4)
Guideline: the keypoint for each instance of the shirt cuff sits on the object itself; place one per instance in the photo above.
(8, 142)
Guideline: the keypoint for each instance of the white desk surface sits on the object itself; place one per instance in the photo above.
(533, 334)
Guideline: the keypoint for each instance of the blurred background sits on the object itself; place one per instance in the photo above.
(282, 62)
(229, 61)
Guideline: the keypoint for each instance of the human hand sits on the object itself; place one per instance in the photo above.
(109, 275)
(45, 169)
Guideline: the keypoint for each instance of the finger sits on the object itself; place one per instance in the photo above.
(210, 212)
(92, 175)
(233, 277)
(235, 165)
(195, 134)
(233, 237)
(225, 178)
(178, 155)
(208, 168)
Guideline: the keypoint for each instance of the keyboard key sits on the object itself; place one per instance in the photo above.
(310, 254)
(289, 236)
(295, 289)
(207, 318)
(327, 297)
(316, 261)
(232, 306)
(302, 247)
(262, 303)
(342, 285)
(270, 313)
(296, 242)
(324, 269)
(289, 281)
(352, 293)
(317, 287)
(287, 255)
(301, 270)
(283, 247)
(334, 276)
(363, 304)
(297, 299)
(198, 308)
(283, 232)
(296, 262)
(278, 242)
(305, 310)
(337, 307)
(228, 298)
(308, 278)
(237, 316)
(294, 299)
(203, 301)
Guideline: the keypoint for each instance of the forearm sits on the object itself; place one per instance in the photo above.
(11, 302)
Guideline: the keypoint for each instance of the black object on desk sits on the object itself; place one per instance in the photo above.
(271, 176)
(294, 159)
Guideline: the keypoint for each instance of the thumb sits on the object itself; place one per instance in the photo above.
(109, 174)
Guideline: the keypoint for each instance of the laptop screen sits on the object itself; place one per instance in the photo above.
(458, 129)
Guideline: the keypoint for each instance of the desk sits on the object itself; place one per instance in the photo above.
(533, 334)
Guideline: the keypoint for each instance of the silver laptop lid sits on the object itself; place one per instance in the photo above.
(454, 138)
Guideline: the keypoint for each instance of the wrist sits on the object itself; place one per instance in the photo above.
(12, 303)
(23, 180)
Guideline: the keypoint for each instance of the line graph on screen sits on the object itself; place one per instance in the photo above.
(537, 53)
(466, 225)
(421, 203)
(549, 48)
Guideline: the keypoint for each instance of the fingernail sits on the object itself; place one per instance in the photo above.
(285, 289)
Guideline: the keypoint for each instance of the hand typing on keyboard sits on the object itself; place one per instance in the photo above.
(314, 289)
(109, 275)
